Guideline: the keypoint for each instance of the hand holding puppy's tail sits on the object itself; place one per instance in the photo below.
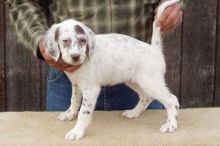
(156, 36)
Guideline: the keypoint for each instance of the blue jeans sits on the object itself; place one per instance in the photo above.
(118, 97)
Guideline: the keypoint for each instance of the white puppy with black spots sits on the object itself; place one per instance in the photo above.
(109, 59)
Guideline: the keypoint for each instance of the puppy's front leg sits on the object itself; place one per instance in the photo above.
(72, 112)
(90, 95)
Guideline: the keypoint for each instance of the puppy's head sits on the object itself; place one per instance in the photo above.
(70, 40)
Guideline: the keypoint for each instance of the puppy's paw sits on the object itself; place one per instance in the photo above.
(168, 128)
(67, 115)
(74, 134)
(130, 114)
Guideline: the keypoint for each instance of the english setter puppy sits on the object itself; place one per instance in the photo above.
(109, 59)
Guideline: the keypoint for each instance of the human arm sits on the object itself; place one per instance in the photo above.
(29, 21)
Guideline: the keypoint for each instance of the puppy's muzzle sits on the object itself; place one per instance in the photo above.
(75, 57)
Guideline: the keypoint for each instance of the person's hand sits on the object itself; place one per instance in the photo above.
(60, 64)
(170, 18)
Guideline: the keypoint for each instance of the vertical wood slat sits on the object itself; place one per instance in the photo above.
(23, 76)
(172, 51)
(198, 53)
(44, 65)
(217, 72)
(2, 57)
(44, 69)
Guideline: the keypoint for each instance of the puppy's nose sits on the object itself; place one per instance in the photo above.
(75, 57)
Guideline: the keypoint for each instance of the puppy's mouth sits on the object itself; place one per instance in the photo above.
(76, 63)
(73, 59)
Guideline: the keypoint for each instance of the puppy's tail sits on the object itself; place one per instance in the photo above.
(156, 36)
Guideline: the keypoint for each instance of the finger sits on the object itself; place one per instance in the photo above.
(61, 61)
(164, 16)
(170, 28)
(61, 66)
(174, 24)
(72, 68)
(48, 57)
(56, 67)
(68, 68)
(173, 16)
(44, 53)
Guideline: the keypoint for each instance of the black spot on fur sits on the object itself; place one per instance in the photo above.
(86, 112)
(57, 33)
(90, 105)
(79, 29)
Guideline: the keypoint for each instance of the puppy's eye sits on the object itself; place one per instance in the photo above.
(82, 41)
(65, 41)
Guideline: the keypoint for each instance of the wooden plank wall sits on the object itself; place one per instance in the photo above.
(192, 54)
(24, 75)
(2, 57)
(198, 53)
(217, 60)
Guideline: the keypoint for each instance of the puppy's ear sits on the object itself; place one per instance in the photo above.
(51, 42)
(91, 41)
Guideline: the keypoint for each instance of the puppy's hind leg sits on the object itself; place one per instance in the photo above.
(143, 103)
(76, 100)
(158, 90)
